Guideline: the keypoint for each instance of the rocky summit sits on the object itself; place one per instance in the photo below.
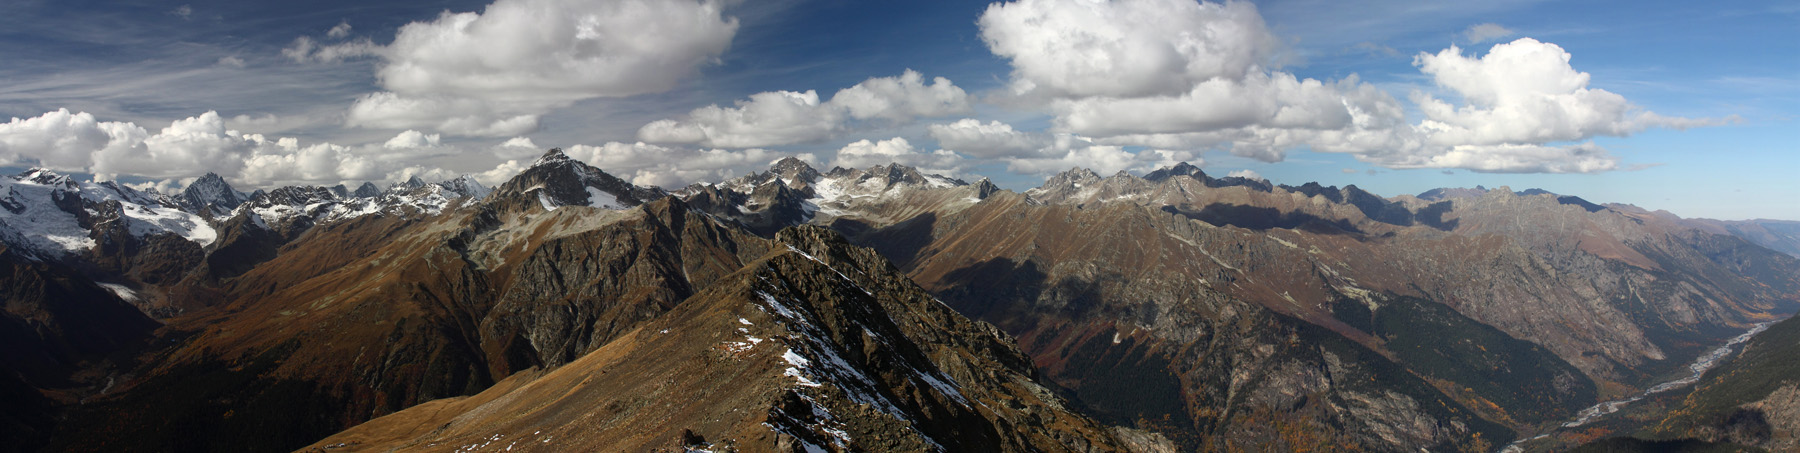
(884, 308)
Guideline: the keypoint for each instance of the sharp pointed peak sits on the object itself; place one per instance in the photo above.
(790, 161)
(792, 167)
(209, 179)
(553, 156)
(366, 190)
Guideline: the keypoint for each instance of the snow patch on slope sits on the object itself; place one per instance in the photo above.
(817, 361)
(120, 290)
(600, 199)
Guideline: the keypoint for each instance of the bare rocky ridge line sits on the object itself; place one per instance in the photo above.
(1245, 314)
(817, 342)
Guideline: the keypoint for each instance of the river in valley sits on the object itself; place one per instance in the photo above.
(1698, 368)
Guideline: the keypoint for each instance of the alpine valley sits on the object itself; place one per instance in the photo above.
(882, 309)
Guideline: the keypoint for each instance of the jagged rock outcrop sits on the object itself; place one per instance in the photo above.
(211, 196)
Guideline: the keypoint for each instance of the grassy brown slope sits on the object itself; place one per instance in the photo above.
(694, 370)
(360, 319)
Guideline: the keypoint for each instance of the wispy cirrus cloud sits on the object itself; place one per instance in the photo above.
(1480, 33)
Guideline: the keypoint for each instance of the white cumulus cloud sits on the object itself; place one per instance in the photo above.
(411, 139)
(865, 153)
(1273, 100)
(1524, 92)
(774, 118)
(671, 166)
(902, 98)
(59, 140)
(189, 147)
(1522, 103)
(1126, 48)
(992, 139)
(321, 162)
(1251, 174)
(501, 173)
(516, 148)
(450, 114)
(1172, 74)
(766, 119)
(339, 31)
(1199, 76)
(495, 73)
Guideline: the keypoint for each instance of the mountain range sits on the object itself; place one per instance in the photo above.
(877, 309)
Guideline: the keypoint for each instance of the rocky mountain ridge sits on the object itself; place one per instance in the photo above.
(1223, 313)
(462, 301)
(1066, 268)
(790, 353)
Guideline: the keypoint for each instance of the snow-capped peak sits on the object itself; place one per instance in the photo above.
(46, 177)
(50, 215)
(553, 156)
(556, 180)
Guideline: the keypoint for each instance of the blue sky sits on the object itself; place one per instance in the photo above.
(1685, 106)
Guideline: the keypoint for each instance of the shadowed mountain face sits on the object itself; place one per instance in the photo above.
(568, 309)
(366, 317)
(349, 319)
(60, 333)
(814, 346)
(1547, 302)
